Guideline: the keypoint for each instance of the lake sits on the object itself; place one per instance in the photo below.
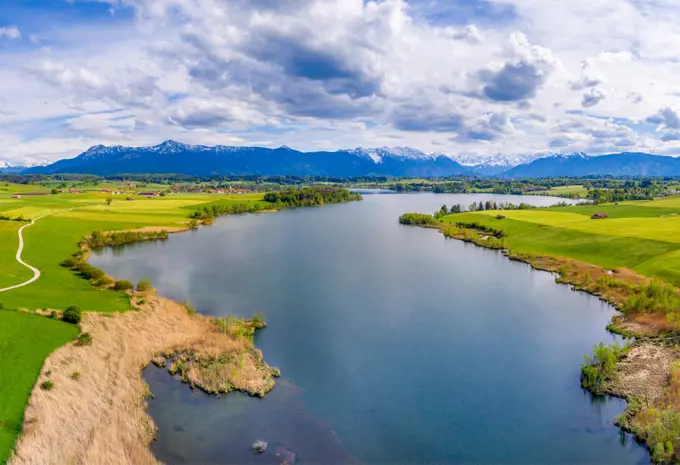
(395, 344)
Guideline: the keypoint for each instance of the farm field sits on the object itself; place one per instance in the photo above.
(46, 243)
(564, 190)
(643, 236)
(20, 364)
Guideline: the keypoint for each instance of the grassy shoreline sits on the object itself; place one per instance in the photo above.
(647, 373)
(210, 362)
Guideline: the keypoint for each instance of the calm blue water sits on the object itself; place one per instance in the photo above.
(396, 345)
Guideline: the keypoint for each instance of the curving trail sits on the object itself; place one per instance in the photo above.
(36, 272)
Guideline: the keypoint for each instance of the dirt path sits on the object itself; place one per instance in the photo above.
(36, 272)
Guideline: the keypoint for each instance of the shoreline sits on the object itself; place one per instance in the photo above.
(104, 385)
(643, 375)
(100, 415)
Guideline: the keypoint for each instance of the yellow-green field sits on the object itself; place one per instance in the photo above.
(643, 236)
(26, 339)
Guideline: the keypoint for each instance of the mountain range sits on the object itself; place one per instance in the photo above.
(8, 168)
(172, 157)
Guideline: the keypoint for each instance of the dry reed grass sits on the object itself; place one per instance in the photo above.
(100, 417)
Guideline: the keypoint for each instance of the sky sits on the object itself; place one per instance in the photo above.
(458, 77)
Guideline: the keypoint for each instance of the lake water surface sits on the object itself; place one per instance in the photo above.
(396, 344)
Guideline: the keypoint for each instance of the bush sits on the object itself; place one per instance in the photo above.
(69, 263)
(104, 281)
(73, 315)
(123, 285)
(189, 308)
(47, 385)
(53, 314)
(84, 339)
(75, 376)
(144, 285)
(601, 366)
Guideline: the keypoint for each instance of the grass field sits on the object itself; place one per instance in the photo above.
(643, 236)
(564, 190)
(26, 339)
(25, 342)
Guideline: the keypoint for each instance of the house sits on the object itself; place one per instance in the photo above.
(16, 196)
(599, 216)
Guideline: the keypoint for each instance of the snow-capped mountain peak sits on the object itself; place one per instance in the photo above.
(500, 160)
(379, 154)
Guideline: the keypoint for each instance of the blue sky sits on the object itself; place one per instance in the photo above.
(468, 78)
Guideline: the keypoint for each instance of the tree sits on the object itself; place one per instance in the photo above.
(144, 285)
(54, 191)
(109, 200)
(72, 315)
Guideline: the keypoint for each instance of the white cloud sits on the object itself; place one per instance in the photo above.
(338, 73)
(10, 32)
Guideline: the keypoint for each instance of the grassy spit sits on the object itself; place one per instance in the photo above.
(99, 415)
(630, 259)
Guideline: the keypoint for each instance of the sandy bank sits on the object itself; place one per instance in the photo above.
(100, 417)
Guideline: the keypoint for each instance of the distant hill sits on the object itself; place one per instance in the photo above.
(199, 160)
(580, 164)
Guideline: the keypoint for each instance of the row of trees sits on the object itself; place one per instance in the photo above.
(291, 197)
(311, 196)
(488, 205)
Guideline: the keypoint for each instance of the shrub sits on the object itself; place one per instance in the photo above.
(601, 366)
(123, 285)
(73, 315)
(104, 281)
(69, 263)
(144, 285)
(46, 385)
(75, 376)
(258, 319)
(189, 308)
(53, 314)
(84, 339)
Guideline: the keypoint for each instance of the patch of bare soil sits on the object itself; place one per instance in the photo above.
(96, 411)
(643, 374)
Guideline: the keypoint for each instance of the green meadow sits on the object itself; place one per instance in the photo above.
(27, 339)
(643, 236)
(25, 342)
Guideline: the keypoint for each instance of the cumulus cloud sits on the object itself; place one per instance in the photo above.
(528, 68)
(666, 118)
(483, 76)
(488, 127)
(10, 32)
(592, 97)
(131, 87)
